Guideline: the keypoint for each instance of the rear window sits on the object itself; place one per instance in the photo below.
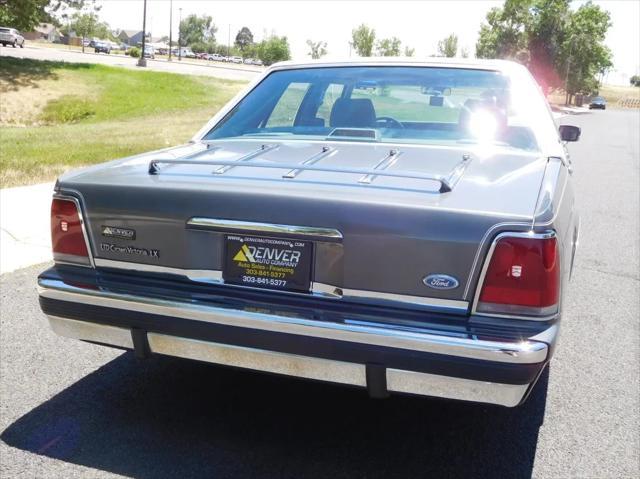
(385, 103)
(5, 30)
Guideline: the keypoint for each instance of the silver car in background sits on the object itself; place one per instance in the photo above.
(396, 225)
(11, 36)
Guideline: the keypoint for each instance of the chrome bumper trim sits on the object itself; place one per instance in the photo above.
(522, 352)
(300, 366)
(93, 332)
(259, 360)
(447, 387)
(317, 289)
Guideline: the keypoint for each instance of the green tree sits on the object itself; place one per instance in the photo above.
(448, 47)
(584, 56)
(635, 80)
(317, 49)
(409, 52)
(196, 29)
(273, 49)
(84, 24)
(103, 31)
(244, 41)
(389, 47)
(560, 47)
(362, 39)
(27, 14)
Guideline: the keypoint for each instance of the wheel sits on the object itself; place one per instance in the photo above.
(15, 43)
(22, 44)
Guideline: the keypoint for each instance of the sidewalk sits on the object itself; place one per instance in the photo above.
(25, 238)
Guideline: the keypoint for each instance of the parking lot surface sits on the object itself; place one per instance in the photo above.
(71, 409)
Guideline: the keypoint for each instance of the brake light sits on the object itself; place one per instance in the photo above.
(67, 234)
(523, 277)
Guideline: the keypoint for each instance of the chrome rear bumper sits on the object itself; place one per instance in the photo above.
(525, 353)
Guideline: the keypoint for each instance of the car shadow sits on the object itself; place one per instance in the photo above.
(166, 417)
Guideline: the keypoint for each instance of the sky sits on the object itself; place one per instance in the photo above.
(419, 24)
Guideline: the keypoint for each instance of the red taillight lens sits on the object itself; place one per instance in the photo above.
(522, 278)
(67, 237)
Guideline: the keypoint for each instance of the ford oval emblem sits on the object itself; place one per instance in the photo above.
(441, 281)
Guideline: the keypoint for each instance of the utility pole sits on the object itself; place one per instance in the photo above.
(180, 36)
(142, 62)
(170, 26)
(229, 42)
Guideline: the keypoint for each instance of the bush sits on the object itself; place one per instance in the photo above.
(67, 109)
(134, 52)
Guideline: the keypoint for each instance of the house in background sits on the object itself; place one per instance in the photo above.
(46, 32)
(130, 37)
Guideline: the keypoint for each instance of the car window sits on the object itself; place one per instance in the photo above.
(286, 109)
(423, 105)
(5, 30)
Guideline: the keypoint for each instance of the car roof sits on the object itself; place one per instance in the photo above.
(473, 63)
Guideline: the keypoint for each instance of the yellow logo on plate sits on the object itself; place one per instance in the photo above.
(244, 255)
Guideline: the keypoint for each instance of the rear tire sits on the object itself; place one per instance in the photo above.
(22, 44)
(15, 43)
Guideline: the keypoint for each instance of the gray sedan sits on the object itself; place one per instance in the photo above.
(399, 226)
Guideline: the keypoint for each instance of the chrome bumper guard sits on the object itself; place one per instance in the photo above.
(528, 351)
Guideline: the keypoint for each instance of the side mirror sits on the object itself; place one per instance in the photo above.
(569, 133)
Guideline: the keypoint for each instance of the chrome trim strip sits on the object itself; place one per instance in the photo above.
(86, 331)
(206, 275)
(244, 158)
(259, 360)
(485, 266)
(325, 153)
(447, 387)
(258, 227)
(295, 365)
(523, 352)
(383, 164)
(317, 289)
(458, 306)
(83, 226)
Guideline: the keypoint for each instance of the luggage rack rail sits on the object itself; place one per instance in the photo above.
(447, 182)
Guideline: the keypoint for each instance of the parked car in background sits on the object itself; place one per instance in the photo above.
(149, 52)
(318, 229)
(236, 59)
(202, 55)
(598, 102)
(11, 36)
(102, 47)
(214, 57)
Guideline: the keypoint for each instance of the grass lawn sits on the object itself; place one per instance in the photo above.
(55, 116)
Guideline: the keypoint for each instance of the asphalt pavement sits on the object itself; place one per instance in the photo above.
(186, 67)
(70, 409)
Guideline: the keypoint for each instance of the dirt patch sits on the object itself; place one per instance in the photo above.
(23, 105)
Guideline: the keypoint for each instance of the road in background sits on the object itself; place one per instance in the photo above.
(224, 71)
(71, 409)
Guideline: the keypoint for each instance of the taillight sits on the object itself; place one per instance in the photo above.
(522, 277)
(67, 235)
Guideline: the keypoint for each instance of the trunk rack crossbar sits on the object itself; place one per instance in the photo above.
(447, 182)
